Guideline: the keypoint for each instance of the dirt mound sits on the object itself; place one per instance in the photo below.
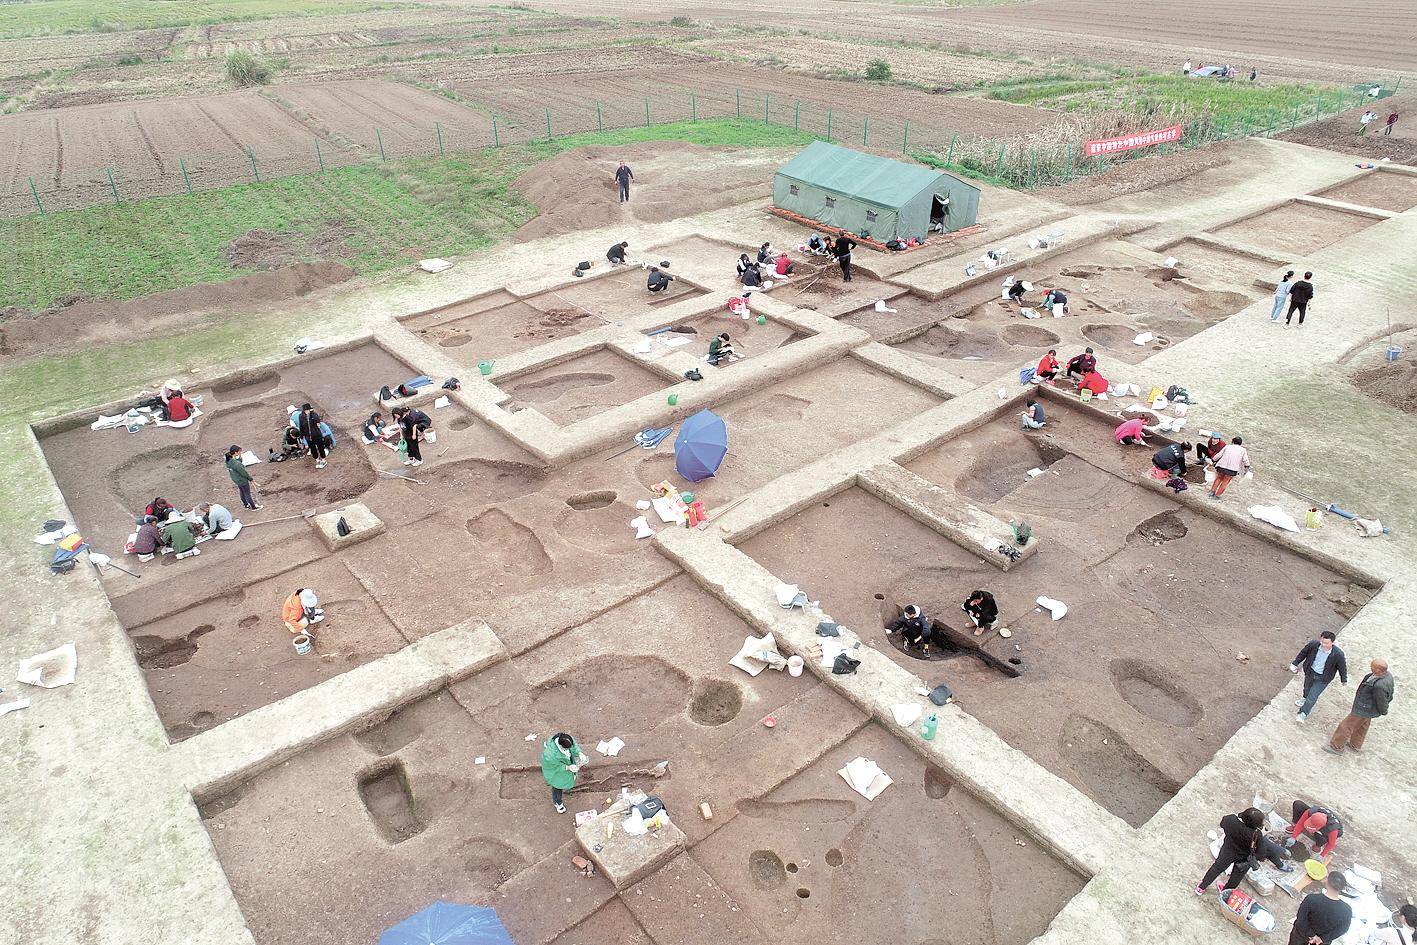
(576, 190)
(24, 333)
(1393, 384)
(260, 249)
(1340, 133)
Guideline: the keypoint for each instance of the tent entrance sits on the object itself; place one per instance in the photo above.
(939, 212)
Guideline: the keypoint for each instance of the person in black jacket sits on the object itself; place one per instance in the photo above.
(1301, 294)
(415, 424)
(1243, 847)
(982, 610)
(307, 421)
(1082, 364)
(841, 249)
(658, 279)
(913, 626)
(1172, 459)
(1323, 916)
(616, 253)
(1320, 660)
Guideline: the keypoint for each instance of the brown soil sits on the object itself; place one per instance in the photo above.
(1141, 174)
(1340, 133)
(1295, 229)
(1390, 382)
(25, 334)
(577, 190)
(1144, 570)
(584, 386)
(1386, 191)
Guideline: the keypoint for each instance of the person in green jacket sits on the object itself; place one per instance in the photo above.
(240, 475)
(561, 758)
(177, 535)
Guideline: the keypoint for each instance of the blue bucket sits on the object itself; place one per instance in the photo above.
(1394, 352)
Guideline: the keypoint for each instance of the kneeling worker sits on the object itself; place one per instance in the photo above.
(1172, 459)
(912, 625)
(720, 349)
(301, 610)
(658, 279)
(616, 253)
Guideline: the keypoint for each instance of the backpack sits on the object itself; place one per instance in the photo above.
(1178, 395)
(385, 393)
(406, 391)
(342, 527)
(327, 434)
(452, 383)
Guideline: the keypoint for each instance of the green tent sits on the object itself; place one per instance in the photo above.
(874, 196)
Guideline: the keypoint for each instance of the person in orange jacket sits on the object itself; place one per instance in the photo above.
(301, 610)
(1094, 382)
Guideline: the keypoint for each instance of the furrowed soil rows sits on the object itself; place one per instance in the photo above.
(401, 115)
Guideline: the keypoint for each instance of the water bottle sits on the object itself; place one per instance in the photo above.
(927, 728)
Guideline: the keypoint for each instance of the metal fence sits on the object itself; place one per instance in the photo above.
(1025, 160)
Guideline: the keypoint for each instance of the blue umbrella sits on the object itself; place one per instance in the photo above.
(700, 446)
(449, 923)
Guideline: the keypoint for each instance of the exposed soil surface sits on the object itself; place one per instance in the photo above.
(1391, 382)
(1145, 713)
(1295, 229)
(584, 386)
(1386, 191)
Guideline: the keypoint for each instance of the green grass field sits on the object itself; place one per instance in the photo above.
(447, 206)
(1171, 95)
(49, 17)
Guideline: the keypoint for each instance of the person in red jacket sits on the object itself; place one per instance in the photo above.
(179, 409)
(1319, 824)
(1048, 366)
(784, 265)
(1094, 382)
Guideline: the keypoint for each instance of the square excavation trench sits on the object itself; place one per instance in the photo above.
(498, 324)
(705, 256)
(206, 630)
(792, 423)
(1384, 190)
(616, 296)
(1134, 690)
(1224, 265)
(583, 386)
(749, 338)
(789, 844)
(1295, 229)
(1115, 292)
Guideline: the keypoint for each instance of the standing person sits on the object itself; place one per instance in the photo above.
(1186, 68)
(1254, 73)
(1321, 660)
(623, 176)
(240, 475)
(841, 249)
(1229, 463)
(561, 759)
(1368, 118)
(1391, 120)
(1032, 417)
(1323, 916)
(1301, 294)
(1370, 702)
(1240, 851)
(415, 424)
(1281, 295)
(983, 611)
(307, 421)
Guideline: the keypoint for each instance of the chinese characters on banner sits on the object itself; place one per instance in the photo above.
(1140, 139)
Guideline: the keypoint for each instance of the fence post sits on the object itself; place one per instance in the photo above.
(378, 135)
(548, 123)
(112, 186)
(738, 97)
(796, 114)
(999, 161)
(1068, 164)
(693, 107)
(829, 124)
(599, 121)
(865, 123)
(254, 169)
(183, 164)
(319, 156)
(1031, 155)
(496, 140)
(438, 126)
(646, 111)
(1294, 118)
(37, 202)
(766, 120)
(950, 156)
(905, 138)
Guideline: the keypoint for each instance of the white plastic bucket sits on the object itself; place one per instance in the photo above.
(794, 666)
(303, 643)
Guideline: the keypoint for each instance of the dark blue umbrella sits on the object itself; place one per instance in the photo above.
(700, 446)
(449, 923)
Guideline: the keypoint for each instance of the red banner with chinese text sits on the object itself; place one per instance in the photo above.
(1139, 139)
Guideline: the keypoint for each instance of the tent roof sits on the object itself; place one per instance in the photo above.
(875, 179)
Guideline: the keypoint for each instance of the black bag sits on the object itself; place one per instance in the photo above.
(693, 374)
(578, 273)
(941, 694)
(650, 806)
(582, 266)
(385, 393)
(828, 629)
(406, 391)
(62, 567)
(844, 665)
(342, 527)
(452, 383)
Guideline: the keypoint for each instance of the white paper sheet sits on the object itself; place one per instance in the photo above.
(50, 670)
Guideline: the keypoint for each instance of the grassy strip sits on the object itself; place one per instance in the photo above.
(60, 17)
(451, 205)
(1173, 95)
